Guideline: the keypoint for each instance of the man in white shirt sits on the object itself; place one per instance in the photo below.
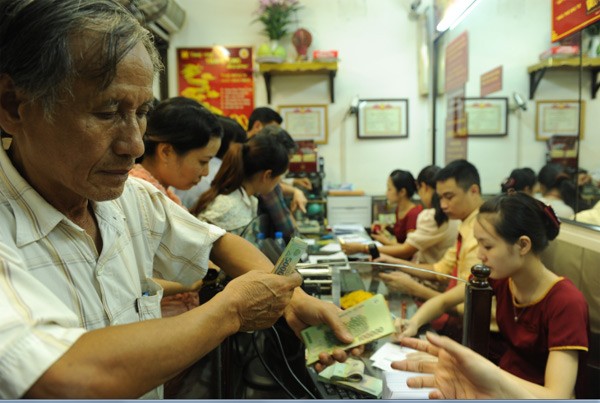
(80, 242)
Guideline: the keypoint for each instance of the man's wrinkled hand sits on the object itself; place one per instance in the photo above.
(305, 311)
(261, 298)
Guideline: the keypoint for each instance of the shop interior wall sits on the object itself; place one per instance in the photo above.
(512, 34)
(378, 59)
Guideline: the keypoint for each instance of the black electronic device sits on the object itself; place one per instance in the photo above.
(373, 251)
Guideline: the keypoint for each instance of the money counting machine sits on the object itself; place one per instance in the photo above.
(330, 278)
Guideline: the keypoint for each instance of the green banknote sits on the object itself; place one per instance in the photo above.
(350, 374)
(286, 264)
(368, 384)
(367, 321)
(352, 370)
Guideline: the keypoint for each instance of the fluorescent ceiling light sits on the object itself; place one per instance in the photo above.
(455, 13)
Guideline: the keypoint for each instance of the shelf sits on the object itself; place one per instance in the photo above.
(268, 70)
(537, 71)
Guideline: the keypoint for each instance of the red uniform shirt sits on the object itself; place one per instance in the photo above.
(406, 224)
(557, 321)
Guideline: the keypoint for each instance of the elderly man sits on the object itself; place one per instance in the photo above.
(80, 242)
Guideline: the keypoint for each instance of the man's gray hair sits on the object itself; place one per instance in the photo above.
(36, 44)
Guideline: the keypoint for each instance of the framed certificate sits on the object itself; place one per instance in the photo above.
(486, 117)
(382, 118)
(305, 122)
(565, 118)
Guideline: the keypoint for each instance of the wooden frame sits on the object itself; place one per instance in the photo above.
(305, 122)
(486, 117)
(382, 118)
(559, 117)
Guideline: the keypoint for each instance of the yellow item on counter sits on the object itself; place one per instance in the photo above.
(354, 297)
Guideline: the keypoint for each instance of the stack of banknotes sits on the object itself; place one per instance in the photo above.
(367, 321)
(350, 374)
(286, 264)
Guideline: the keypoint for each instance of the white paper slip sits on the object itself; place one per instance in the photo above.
(395, 387)
(331, 247)
(345, 228)
(389, 353)
(334, 257)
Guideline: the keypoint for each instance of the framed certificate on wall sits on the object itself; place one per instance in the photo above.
(305, 122)
(486, 117)
(564, 118)
(382, 118)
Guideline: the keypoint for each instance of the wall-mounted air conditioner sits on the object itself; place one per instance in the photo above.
(163, 17)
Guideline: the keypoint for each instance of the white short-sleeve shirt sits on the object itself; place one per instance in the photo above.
(144, 235)
(432, 240)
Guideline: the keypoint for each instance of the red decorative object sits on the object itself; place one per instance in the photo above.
(301, 41)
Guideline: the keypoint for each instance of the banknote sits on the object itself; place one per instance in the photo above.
(367, 321)
(286, 264)
(368, 384)
(352, 370)
(351, 374)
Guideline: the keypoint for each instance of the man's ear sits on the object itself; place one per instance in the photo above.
(11, 102)
(475, 189)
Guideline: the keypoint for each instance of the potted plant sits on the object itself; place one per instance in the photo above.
(275, 15)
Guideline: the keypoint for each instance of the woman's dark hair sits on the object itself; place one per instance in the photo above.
(183, 123)
(404, 180)
(233, 132)
(519, 180)
(427, 176)
(262, 152)
(519, 214)
(555, 176)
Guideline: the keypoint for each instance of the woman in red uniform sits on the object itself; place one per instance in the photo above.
(543, 317)
(401, 186)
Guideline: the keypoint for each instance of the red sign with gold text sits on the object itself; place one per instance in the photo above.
(490, 81)
(570, 16)
(220, 78)
(457, 62)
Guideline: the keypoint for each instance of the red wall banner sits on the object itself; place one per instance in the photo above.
(220, 78)
(570, 16)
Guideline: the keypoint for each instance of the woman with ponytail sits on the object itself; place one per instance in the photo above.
(558, 190)
(521, 180)
(247, 170)
(543, 317)
(433, 232)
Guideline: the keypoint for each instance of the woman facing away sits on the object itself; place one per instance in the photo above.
(521, 180)
(433, 233)
(543, 317)
(180, 140)
(557, 188)
(247, 170)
